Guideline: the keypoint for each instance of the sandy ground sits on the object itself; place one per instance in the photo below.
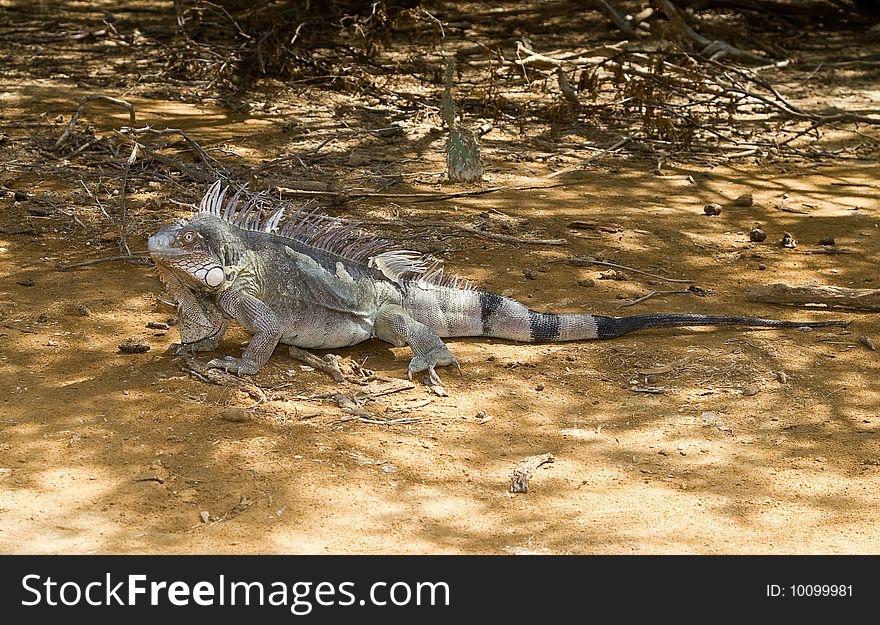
(106, 452)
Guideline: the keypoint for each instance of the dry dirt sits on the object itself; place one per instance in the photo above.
(106, 452)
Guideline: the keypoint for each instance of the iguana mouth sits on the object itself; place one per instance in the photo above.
(160, 246)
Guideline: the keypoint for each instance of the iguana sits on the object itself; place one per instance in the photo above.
(313, 281)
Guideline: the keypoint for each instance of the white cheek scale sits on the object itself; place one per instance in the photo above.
(212, 277)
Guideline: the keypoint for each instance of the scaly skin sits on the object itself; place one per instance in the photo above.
(296, 288)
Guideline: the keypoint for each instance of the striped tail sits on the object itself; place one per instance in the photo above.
(460, 312)
(609, 327)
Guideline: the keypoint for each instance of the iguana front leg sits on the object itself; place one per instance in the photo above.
(201, 322)
(394, 325)
(259, 319)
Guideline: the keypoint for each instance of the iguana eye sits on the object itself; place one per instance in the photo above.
(189, 237)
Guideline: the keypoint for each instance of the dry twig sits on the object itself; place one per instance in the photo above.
(82, 105)
(581, 261)
(140, 257)
(835, 296)
(519, 481)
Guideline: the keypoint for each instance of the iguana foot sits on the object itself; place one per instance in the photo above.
(231, 364)
(437, 357)
(204, 345)
(395, 325)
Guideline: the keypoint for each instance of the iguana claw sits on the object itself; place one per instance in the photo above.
(427, 363)
(231, 364)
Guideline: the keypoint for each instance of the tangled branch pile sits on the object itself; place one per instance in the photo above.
(674, 85)
(237, 41)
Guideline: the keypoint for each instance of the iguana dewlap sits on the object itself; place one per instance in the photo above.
(313, 282)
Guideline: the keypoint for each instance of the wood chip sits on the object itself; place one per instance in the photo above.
(519, 482)
(594, 225)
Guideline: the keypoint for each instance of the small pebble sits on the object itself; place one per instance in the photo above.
(782, 377)
(77, 310)
(204, 516)
(867, 342)
(744, 200)
(826, 241)
(134, 345)
(712, 209)
(20, 196)
(157, 325)
(530, 274)
(751, 389)
(236, 414)
(587, 282)
(437, 389)
(25, 282)
(788, 240)
(756, 235)
(539, 386)
(612, 274)
(389, 468)
(570, 357)
(762, 267)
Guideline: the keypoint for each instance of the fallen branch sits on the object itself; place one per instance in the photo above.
(138, 257)
(612, 148)
(614, 15)
(504, 238)
(582, 261)
(206, 158)
(331, 368)
(196, 368)
(81, 108)
(565, 87)
(536, 59)
(832, 296)
(641, 299)
(711, 49)
(123, 212)
(372, 385)
(415, 197)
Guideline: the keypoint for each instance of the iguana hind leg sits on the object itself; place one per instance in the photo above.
(394, 325)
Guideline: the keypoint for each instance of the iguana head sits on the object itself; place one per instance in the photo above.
(181, 248)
